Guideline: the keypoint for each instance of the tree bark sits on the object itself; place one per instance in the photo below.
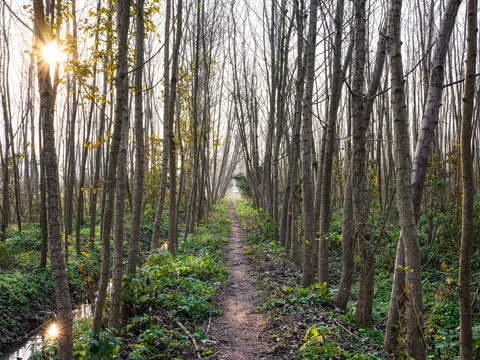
(307, 150)
(62, 293)
(172, 209)
(434, 102)
(420, 163)
(100, 141)
(70, 178)
(119, 218)
(413, 279)
(336, 89)
(121, 84)
(166, 132)
(465, 267)
(363, 314)
(139, 143)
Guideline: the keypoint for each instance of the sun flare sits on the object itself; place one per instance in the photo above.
(52, 331)
(52, 54)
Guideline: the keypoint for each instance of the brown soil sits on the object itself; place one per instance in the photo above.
(238, 330)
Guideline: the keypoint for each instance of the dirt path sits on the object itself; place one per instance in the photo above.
(238, 329)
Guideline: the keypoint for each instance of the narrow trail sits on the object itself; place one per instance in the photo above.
(238, 329)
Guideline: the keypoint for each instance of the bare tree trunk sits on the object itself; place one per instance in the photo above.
(465, 267)
(434, 101)
(119, 218)
(6, 179)
(307, 150)
(62, 293)
(100, 140)
(43, 205)
(326, 172)
(70, 182)
(81, 183)
(420, 164)
(6, 104)
(348, 260)
(166, 132)
(121, 84)
(139, 143)
(413, 279)
(363, 314)
(172, 209)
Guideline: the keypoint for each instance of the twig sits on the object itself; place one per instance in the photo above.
(476, 295)
(343, 327)
(208, 326)
(210, 356)
(197, 350)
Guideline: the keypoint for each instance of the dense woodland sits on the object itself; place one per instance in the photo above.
(352, 127)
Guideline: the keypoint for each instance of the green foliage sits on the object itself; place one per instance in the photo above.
(320, 343)
(21, 249)
(22, 297)
(30, 238)
(182, 285)
(164, 290)
(329, 341)
(258, 225)
(243, 185)
(295, 299)
(26, 298)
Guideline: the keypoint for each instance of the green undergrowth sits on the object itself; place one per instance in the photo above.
(302, 322)
(326, 332)
(165, 294)
(26, 290)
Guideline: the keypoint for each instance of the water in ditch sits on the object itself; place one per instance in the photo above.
(26, 349)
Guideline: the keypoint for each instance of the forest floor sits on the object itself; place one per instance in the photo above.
(238, 330)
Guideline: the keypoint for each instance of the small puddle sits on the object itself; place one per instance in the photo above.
(29, 347)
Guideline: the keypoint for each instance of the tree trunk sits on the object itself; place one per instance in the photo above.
(70, 183)
(434, 101)
(6, 180)
(465, 267)
(422, 153)
(84, 151)
(413, 279)
(119, 218)
(100, 141)
(172, 209)
(166, 132)
(307, 151)
(348, 260)
(121, 84)
(62, 293)
(363, 314)
(336, 89)
(139, 143)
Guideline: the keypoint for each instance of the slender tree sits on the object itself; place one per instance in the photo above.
(121, 85)
(173, 209)
(413, 279)
(336, 89)
(62, 294)
(166, 131)
(139, 142)
(420, 163)
(307, 149)
(363, 314)
(465, 266)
